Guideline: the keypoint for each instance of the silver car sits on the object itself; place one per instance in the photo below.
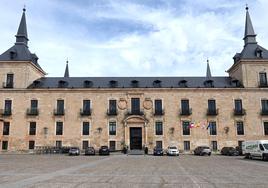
(202, 150)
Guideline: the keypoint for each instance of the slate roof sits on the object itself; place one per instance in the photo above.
(250, 44)
(133, 82)
(20, 51)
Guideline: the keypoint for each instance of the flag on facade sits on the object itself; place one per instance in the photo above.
(208, 126)
(191, 125)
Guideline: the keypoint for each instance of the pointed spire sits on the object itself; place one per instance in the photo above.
(250, 36)
(22, 36)
(208, 71)
(66, 74)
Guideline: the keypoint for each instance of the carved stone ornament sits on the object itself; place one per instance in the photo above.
(148, 104)
(122, 104)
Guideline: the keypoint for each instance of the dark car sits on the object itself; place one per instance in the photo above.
(74, 151)
(90, 151)
(158, 151)
(231, 151)
(202, 150)
(104, 150)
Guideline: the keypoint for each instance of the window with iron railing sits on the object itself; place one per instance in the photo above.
(263, 79)
(59, 111)
(158, 110)
(112, 110)
(86, 110)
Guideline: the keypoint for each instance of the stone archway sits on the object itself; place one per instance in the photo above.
(135, 131)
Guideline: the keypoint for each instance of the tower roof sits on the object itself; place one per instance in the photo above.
(66, 73)
(208, 75)
(251, 49)
(20, 51)
(22, 36)
(250, 36)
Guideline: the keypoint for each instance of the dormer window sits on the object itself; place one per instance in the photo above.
(258, 53)
(37, 83)
(183, 83)
(113, 83)
(157, 83)
(62, 84)
(235, 83)
(209, 83)
(135, 83)
(12, 54)
(88, 84)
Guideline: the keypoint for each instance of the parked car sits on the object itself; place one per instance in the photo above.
(104, 150)
(202, 150)
(89, 151)
(231, 151)
(74, 151)
(255, 149)
(172, 150)
(158, 151)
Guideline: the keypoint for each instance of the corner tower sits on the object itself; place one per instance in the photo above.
(251, 64)
(18, 66)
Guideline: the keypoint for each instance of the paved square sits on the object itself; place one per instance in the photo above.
(131, 171)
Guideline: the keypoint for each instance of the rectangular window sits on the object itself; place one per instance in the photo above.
(6, 128)
(86, 106)
(135, 106)
(263, 79)
(214, 145)
(265, 126)
(158, 107)
(85, 128)
(186, 145)
(213, 128)
(112, 146)
(4, 145)
(58, 143)
(112, 128)
(185, 106)
(186, 127)
(10, 79)
(238, 105)
(31, 144)
(159, 128)
(240, 128)
(59, 128)
(212, 106)
(112, 107)
(159, 144)
(32, 129)
(264, 104)
(8, 107)
(60, 106)
(34, 104)
(85, 144)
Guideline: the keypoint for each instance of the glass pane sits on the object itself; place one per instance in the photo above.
(212, 105)
(238, 105)
(34, 104)
(86, 105)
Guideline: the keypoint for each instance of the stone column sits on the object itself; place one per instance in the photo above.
(145, 134)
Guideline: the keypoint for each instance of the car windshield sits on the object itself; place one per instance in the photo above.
(73, 148)
(173, 147)
(265, 146)
(205, 147)
(104, 147)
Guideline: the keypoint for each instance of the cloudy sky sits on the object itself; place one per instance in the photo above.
(134, 37)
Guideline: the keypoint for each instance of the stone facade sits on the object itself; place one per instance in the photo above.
(246, 71)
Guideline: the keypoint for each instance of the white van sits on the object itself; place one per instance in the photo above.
(255, 149)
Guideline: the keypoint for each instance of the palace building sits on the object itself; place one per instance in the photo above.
(38, 110)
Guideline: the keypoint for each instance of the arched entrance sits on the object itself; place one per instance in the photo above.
(135, 132)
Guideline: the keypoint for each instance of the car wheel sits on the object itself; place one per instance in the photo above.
(209, 154)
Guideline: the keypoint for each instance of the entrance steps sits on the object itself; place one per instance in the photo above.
(135, 152)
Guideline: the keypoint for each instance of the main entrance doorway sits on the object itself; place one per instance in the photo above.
(135, 138)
